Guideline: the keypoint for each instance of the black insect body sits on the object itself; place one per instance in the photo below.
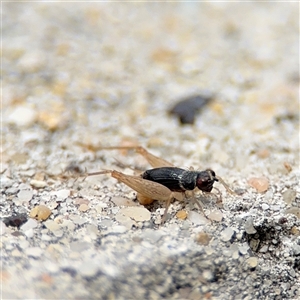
(180, 180)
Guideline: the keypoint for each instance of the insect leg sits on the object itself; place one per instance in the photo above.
(226, 186)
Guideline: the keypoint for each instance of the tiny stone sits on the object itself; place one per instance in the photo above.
(34, 251)
(289, 196)
(182, 214)
(203, 238)
(208, 275)
(294, 211)
(196, 218)
(29, 233)
(2, 228)
(249, 228)
(227, 234)
(137, 213)
(124, 220)
(62, 194)
(6, 182)
(152, 236)
(295, 230)
(216, 215)
(244, 249)
(11, 191)
(261, 184)
(22, 116)
(38, 183)
(79, 246)
(80, 201)
(83, 207)
(25, 195)
(265, 206)
(118, 229)
(16, 253)
(77, 219)
(52, 225)
(252, 262)
(88, 269)
(264, 249)
(30, 224)
(40, 212)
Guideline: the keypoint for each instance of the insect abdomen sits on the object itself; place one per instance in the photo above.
(170, 177)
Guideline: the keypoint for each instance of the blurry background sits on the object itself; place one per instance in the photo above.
(103, 73)
(78, 76)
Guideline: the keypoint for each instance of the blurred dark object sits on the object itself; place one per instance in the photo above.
(288, 116)
(187, 108)
(15, 221)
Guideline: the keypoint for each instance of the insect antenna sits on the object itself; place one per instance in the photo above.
(226, 186)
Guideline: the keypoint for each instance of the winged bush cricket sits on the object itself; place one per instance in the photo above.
(164, 182)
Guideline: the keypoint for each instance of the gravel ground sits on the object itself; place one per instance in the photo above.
(78, 76)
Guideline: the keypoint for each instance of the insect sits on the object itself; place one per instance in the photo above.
(164, 182)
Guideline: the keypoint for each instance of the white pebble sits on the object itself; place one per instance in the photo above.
(252, 262)
(88, 269)
(52, 225)
(2, 228)
(227, 234)
(25, 195)
(216, 215)
(62, 194)
(30, 224)
(22, 116)
(136, 213)
(38, 183)
(34, 251)
(196, 218)
(249, 228)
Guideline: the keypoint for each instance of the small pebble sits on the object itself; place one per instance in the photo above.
(25, 195)
(261, 184)
(79, 246)
(52, 225)
(249, 228)
(77, 219)
(88, 269)
(152, 236)
(265, 206)
(137, 213)
(227, 234)
(244, 249)
(216, 215)
(38, 183)
(83, 207)
(62, 194)
(124, 220)
(117, 229)
(182, 214)
(203, 238)
(30, 224)
(289, 196)
(196, 218)
(2, 228)
(252, 262)
(22, 116)
(34, 251)
(40, 212)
